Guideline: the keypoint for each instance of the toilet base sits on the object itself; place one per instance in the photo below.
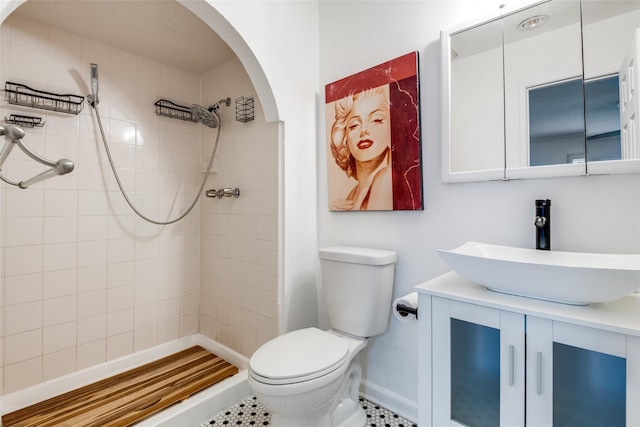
(343, 410)
(311, 420)
(349, 414)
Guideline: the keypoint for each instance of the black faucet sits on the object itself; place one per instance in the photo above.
(543, 224)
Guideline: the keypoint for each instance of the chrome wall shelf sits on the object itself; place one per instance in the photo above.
(172, 110)
(19, 94)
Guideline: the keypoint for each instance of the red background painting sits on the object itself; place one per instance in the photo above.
(402, 76)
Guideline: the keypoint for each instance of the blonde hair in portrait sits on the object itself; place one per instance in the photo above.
(360, 144)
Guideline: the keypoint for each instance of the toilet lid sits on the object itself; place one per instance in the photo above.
(308, 353)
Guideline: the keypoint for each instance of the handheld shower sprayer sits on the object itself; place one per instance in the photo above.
(93, 97)
(208, 116)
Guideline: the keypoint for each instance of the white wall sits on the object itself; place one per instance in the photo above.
(597, 213)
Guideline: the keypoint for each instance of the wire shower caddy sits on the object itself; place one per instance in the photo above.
(244, 109)
(166, 108)
(19, 94)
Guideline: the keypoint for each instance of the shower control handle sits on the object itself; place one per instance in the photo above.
(224, 192)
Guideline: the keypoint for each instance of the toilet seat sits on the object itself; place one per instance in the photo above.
(299, 356)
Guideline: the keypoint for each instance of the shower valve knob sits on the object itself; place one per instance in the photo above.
(224, 192)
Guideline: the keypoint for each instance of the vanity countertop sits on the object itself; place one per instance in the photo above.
(622, 316)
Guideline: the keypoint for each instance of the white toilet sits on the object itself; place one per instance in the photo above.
(311, 377)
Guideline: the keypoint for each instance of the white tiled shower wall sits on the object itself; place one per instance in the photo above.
(83, 279)
(239, 237)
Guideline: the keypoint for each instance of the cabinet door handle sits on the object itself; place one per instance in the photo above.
(539, 368)
(512, 365)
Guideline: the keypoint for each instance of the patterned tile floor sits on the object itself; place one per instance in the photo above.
(250, 412)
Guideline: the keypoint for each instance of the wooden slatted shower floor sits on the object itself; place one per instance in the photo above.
(127, 398)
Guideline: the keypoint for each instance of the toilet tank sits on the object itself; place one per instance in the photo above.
(358, 286)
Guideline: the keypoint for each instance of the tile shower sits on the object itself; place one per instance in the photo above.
(83, 280)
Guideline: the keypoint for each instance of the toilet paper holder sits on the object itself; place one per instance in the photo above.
(405, 310)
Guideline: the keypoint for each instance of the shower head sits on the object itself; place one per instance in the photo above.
(204, 115)
(207, 116)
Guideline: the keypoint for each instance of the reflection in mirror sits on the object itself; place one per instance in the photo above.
(610, 40)
(543, 61)
(556, 122)
(602, 114)
(477, 110)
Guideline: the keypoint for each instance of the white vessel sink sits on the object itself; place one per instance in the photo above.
(567, 277)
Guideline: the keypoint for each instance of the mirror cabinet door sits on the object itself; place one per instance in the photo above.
(610, 40)
(520, 88)
(476, 100)
(543, 89)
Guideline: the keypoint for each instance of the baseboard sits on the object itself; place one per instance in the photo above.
(394, 402)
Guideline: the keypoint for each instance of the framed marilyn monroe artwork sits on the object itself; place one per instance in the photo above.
(373, 138)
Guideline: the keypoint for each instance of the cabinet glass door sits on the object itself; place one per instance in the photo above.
(589, 387)
(581, 376)
(475, 374)
(478, 366)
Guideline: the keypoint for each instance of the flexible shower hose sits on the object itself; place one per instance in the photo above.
(124, 193)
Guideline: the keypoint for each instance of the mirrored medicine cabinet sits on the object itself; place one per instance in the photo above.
(550, 89)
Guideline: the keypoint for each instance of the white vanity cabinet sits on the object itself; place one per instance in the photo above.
(491, 359)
